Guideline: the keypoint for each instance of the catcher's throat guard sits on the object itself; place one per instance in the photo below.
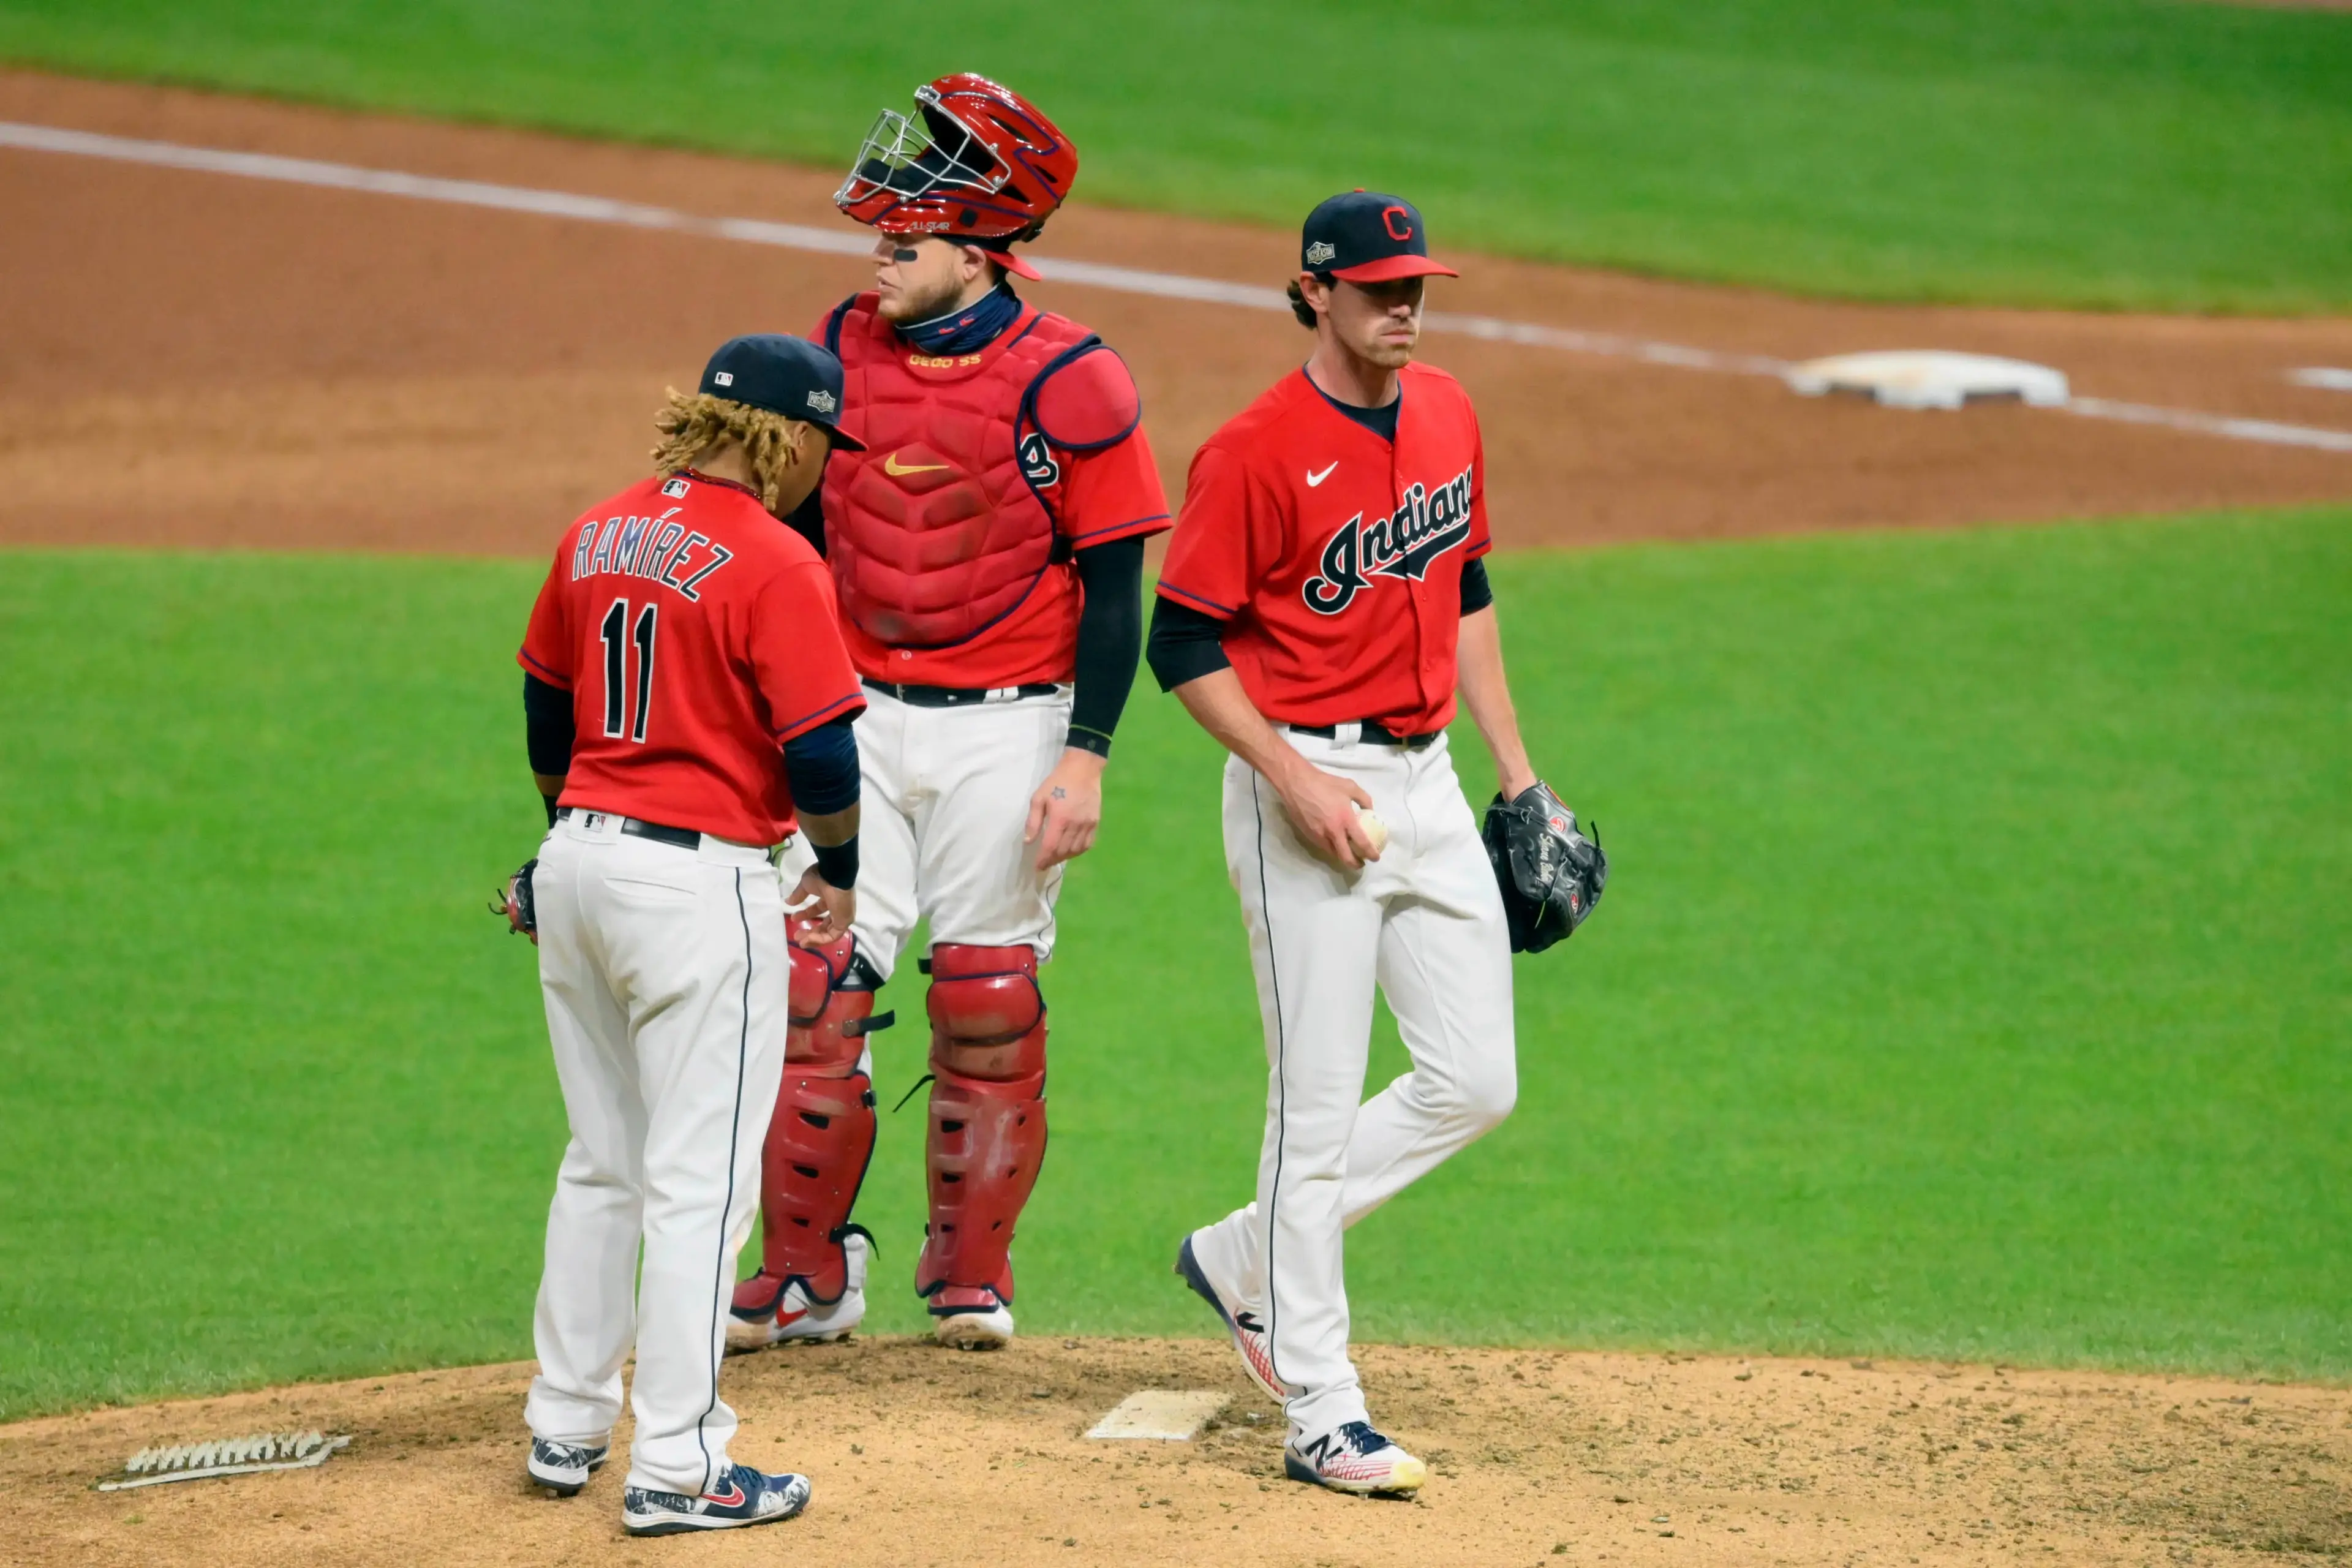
(1551, 876)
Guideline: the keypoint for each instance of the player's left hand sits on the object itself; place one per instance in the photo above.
(822, 912)
(1067, 809)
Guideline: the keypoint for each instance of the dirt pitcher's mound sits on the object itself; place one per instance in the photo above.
(923, 1457)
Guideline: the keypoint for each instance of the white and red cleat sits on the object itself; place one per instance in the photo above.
(1356, 1460)
(1248, 1331)
(768, 1312)
(970, 1318)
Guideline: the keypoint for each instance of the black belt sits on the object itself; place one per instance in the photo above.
(959, 696)
(1371, 734)
(682, 838)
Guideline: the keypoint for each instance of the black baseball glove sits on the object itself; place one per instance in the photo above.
(514, 900)
(1550, 874)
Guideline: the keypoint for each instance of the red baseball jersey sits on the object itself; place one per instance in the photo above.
(697, 634)
(1336, 556)
(944, 432)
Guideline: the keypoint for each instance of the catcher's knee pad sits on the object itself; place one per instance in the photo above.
(821, 1137)
(987, 1132)
(829, 1006)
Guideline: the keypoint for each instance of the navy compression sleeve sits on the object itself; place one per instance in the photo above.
(822, 768)
(1110, 635)
(1185, 644)
(1476, 592)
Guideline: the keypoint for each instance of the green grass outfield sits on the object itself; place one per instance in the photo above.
(2149, 153)
(1972, 982)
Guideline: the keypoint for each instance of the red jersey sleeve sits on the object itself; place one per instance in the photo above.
(547, 647)
(1481, 541)
(797, 656)
(1229, 533)
(1113, 493)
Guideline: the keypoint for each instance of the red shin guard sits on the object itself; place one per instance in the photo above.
(821, 1137)
(987, 1132)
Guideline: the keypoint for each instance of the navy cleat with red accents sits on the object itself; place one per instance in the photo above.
(564, 1468)
(745, 1497)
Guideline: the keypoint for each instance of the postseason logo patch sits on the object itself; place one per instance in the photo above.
(1321, 251)
(1425, 525)
(822, 401)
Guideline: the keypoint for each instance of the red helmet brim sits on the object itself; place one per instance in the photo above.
(1389, 269)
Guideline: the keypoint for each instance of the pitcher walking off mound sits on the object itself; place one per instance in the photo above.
(1323, 595)
(988, 551)
(686, 692)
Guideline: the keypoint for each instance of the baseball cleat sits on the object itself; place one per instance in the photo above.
(1249, 1334)
(767, 1311)
(970, 1318)
(563, 1467)
(744, 1497)
(1354, 1460)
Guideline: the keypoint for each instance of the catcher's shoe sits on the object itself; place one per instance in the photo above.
(970, 1318)
(742, 1496)
(563, 1467)
(767, 1311)
(1354, 1460)
(1248, 1331)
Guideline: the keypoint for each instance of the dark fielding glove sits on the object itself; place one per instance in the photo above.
(514, 902)
(1550, 874)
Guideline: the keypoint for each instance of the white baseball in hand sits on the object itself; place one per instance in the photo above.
(1374, 830)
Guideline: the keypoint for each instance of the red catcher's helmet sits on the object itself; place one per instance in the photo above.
(980, 164)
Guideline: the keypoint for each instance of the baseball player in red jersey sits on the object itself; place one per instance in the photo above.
(688, 692)
(1322, 601)
(987, 548)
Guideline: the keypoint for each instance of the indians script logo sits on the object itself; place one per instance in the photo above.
(1425, 525)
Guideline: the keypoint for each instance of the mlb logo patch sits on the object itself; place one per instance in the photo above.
(822, 401)
(675, 487)
(723, 378)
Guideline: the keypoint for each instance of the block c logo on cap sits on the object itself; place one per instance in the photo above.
(1396, 221)
(723, 378)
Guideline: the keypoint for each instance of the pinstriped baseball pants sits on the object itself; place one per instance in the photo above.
(1424, 924)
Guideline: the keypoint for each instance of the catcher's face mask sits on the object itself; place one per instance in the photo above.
(975, 162)
(914, 158)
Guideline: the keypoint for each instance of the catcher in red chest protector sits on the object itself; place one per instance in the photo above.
(987, 548)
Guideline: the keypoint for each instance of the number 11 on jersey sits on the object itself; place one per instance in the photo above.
(617, 638)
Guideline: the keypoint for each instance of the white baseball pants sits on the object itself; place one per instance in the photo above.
(664, 971)
(945, 796)
(1424, 924)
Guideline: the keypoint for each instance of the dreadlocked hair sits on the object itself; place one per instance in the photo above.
(691, 422)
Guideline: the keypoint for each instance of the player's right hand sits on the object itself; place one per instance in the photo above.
(822, 912)
(1322, 808)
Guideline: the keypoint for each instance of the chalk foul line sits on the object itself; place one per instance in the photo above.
(579, 208)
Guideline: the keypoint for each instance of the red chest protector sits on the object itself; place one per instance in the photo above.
(947, 521)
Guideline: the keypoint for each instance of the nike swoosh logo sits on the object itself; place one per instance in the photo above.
(732, 1498)
(896, 469)
(1314, 479)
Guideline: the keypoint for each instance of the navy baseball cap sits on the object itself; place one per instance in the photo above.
(1367, 237)
(786, 376)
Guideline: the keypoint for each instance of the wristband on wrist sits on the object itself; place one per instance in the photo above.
(837, 863)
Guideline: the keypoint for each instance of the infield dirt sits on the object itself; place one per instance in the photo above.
(196, 358)
(925, 1457)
